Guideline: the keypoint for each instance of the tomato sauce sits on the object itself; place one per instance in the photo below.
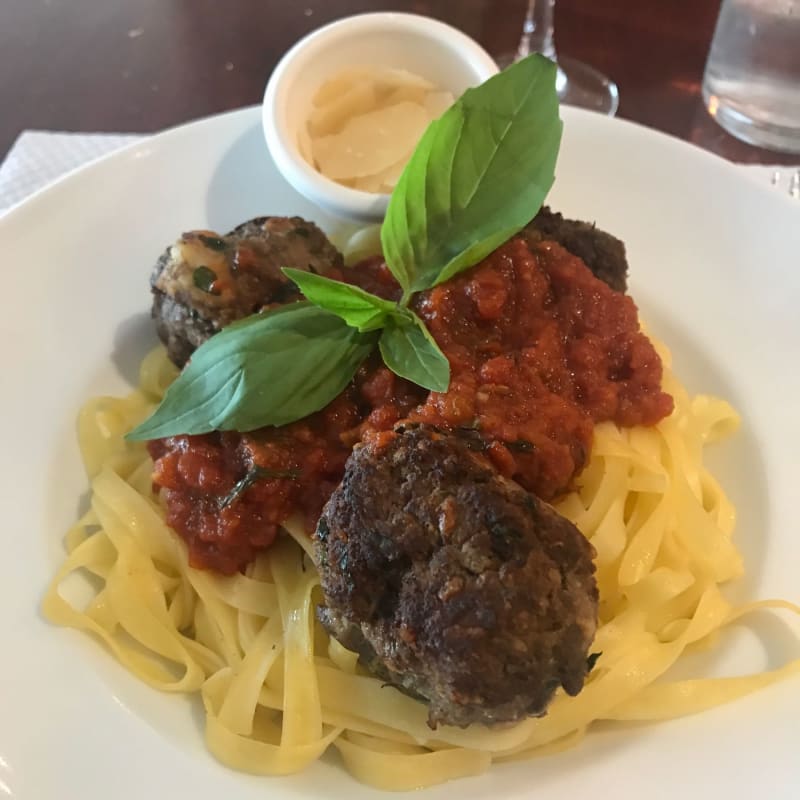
(539, 349)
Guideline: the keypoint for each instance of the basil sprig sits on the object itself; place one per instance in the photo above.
(277, 367)
(406, 346)
(478, 175)
(409, 351)
(359, 309)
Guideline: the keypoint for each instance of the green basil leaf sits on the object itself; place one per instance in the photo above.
(359, 309)
(479, 174)
(268, 369)
(204, 278)
(411, 352)
(254, 474)
(212, 242)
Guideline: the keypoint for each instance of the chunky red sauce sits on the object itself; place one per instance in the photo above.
(540, 350)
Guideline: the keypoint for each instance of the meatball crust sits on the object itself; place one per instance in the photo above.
(603, 253)
(452, 582)
(205, 281)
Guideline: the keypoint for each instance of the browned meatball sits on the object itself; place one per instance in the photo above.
(603, 253)
(453, 583)
(205, 281)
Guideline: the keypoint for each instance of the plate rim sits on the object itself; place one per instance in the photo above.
(29, 206)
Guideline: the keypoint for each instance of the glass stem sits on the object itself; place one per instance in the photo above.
(537, 30)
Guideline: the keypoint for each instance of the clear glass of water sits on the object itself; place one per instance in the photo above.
(752, 79)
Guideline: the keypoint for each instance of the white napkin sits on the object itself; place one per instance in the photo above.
(40, 157)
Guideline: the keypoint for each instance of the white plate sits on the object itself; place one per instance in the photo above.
(715, 270)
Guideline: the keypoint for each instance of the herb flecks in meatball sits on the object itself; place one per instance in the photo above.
(453, 583)
(205, 281)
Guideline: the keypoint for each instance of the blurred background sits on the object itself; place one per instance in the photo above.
(143, 65)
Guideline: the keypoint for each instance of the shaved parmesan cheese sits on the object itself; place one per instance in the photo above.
(436, 103)
(403, 94)
(340, 83)
(331, 117)
(365, 123)
(371, 142)
(400, 77)
(304, 143)
(383, 182)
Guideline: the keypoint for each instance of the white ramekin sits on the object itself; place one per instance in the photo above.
(445, 56)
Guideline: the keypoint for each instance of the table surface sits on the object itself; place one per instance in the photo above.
(143, 65)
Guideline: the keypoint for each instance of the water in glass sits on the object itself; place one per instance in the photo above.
(752, 79)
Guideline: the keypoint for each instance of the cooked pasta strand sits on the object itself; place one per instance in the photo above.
(277, 692)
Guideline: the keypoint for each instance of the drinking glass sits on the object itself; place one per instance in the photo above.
(577, 83)
(751, 84)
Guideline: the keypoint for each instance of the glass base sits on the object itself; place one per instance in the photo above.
(750, 130)
(578, 84)
(585, 87)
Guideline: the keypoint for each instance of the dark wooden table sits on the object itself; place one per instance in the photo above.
(143, 65)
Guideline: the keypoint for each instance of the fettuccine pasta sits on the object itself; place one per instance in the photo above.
(278, 692)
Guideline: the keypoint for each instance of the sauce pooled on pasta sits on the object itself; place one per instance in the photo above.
(539, 349)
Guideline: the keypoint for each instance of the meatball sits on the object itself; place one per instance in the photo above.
(603, 253)
(205, 281)
(453, 583)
